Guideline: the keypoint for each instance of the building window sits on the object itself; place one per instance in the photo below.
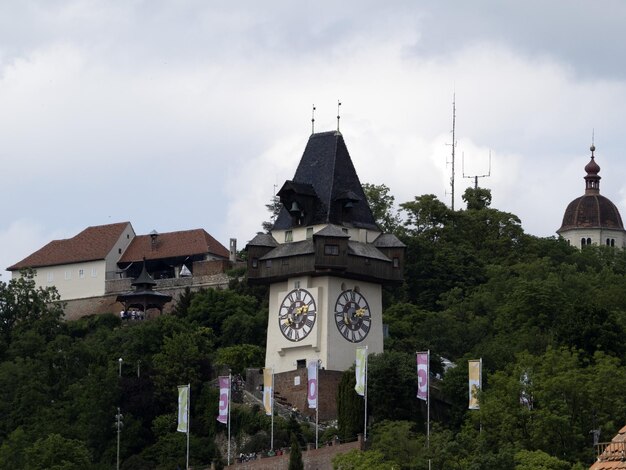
(344, 230)
(81, 274)
(50, 277)
(288, 236)
(301, 363)
(331, 250)
(255, 262)
(396, 262)
(68, 275)
(309, 233)
(612, 241)
(588, 241)
(296, 284)
(94, 272)
(119, 251)
(285, 262)
(268, 263)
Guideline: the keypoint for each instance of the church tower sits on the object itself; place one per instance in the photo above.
(592, 219)
(325, 261)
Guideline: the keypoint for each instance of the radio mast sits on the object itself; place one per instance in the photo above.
(453, 147)
(475, 177)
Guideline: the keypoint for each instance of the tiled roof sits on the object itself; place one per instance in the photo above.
(93, 243)
(613, 454)
(172, 245)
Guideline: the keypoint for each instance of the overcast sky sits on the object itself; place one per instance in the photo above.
(176, 115)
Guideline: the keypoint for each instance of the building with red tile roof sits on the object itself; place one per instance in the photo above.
(612, 455)
(79, 266)
(82, 266)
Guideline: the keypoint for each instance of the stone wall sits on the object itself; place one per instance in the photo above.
(78, 308)
(290, 389)
(313, 459)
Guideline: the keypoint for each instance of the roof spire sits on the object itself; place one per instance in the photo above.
(312, 121)
(338, 113)
(593, 147)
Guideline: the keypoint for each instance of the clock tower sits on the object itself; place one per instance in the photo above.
(325, 261)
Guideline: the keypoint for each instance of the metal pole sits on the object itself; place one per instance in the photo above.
(272, 400)
(365, 420)
(317, 404)
(188, 420)
(230, 387)
(119, 417)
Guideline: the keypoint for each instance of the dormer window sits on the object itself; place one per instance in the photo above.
(288, 236)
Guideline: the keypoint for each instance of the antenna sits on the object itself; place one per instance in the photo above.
(453, 146)
(338, 114)
(475, 177)
(275, 203)
(313, 120)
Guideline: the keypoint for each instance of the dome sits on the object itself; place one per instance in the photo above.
(591, 211)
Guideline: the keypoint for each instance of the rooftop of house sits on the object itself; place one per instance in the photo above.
(173, 245)
(93, 243)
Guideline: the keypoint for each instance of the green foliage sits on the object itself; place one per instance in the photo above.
(381, 201)
(295, 455)
(55, 452)
(538, 460)
(350, 408)
(359, 460)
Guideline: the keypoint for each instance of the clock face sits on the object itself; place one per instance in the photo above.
(296, 315)
(352, 316)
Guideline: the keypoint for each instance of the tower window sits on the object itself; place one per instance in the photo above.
(309, 233)
(288, 236)
(331, 250)
(396, 262)
(255, 262)
(268, 263)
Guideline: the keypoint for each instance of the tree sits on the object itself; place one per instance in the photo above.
(55, 452)
(382, 205)
(350, 407)
(477, 198)
(22, 303)
(359, 460)
(295, 455)
(274, 208)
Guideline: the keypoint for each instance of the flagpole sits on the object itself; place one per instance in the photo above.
(188, 418)
(428, 398)
(365, 420)
(272, 401)
(230, 387)
(428, 403)
(317, 402)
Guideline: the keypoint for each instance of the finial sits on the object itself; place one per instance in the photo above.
(338, 114)
(313, 120)
(593, 147)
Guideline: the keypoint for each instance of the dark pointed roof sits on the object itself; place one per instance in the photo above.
(592, 210)
(326, 175)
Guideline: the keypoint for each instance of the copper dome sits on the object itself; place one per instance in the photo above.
(591, 210)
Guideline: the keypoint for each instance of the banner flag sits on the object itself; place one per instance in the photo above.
(312, 384)
(268, 392)
(422, 375)
(224, 399)
(361, 365)
(183, 408)
(474, 383)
